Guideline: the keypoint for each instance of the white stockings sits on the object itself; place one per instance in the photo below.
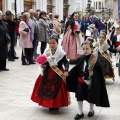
(91, 107)
(80, 107)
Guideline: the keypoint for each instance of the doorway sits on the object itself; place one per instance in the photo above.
(27, 5)
(1, 5)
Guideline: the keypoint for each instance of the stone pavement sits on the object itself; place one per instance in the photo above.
(16, 87)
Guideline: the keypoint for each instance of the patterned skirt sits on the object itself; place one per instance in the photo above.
(44, 97)
(107, 68)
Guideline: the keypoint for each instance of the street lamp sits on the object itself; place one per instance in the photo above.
(103, 12)
(15, 8)
(89, 6)
(109, 12)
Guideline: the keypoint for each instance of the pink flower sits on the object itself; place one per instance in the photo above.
(89, 38)
(41, 59)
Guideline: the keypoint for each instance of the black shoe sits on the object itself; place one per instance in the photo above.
(11, 59)
(56, 109)
(25, 64)
(32, 62)
(91, 114)
(77, 117)
(51, 109)
(15, 57)
(4, 69)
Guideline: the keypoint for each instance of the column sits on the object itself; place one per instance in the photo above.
(61, 10)
(70, 8)
(39, 4)
(55, 4)
(104, 4)
(4, 3)
(8, 4)
(44, 5)
(20, 6)
(94, 5)
(98, 5)
(58, 8)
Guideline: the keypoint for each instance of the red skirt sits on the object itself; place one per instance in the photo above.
(61, 99)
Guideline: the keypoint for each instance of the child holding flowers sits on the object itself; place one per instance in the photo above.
(87, 81)
(50, 88)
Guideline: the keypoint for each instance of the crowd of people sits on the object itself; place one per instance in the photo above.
(86, 42)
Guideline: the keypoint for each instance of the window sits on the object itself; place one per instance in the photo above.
(65, 1)
(0, 4)
(99, 5)
(96, 5)
(49, 6)
(27, 5)
(102, 5)
(49, 2)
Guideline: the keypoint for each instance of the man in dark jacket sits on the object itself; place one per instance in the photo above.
(11, 29)
(3, 45)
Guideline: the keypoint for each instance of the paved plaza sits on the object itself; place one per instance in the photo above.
(16, 87)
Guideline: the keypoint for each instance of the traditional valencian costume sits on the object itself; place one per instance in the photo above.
(104, 58)
(50, 89)
(72, 42)
(93, 88)
(116, 41)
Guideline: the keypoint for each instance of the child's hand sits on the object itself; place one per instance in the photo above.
(91, 73)
(66, 74)
(118, 48)
(43, 66)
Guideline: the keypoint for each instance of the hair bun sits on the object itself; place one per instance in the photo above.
(54, 35)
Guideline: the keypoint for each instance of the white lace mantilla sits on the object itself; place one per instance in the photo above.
(102, 47)
(54, 59)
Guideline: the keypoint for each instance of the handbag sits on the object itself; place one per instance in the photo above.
(26, 30)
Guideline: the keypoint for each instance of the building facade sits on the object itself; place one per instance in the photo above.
(115, 8)
(54, 6)
(77, 5)
(103, 8)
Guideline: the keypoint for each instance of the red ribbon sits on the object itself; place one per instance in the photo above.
(117, 44)
(81, 80)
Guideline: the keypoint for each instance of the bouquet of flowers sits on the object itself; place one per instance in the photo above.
(92, 60)
(42, 59)
(90, 39)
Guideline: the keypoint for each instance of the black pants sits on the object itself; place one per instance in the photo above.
(11, 53)
(2, 64)
(34, 44)
(43, 46)
(27, 52)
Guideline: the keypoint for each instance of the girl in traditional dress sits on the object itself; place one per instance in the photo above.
(50, 88)
(116, 38)
(87, 81)
(72, 39)
(102, 47)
